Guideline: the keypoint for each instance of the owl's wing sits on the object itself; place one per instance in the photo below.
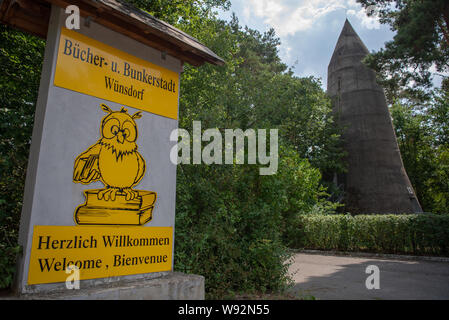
(142, 167)
(86, 169)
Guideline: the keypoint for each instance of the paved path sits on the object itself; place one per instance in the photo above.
(337, 277)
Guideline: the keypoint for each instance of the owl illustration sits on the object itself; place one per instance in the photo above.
(114, 159)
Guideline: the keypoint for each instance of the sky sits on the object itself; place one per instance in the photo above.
(309, 29)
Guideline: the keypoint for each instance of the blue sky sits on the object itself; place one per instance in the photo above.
(309, 29)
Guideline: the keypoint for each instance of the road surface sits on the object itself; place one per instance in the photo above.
(342, 277)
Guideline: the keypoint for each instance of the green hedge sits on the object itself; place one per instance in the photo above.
(422, 234)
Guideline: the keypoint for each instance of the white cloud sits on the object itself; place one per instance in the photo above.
(288, 17)
(286, 52)
(351, 12)
(246, 13)
(371, 22)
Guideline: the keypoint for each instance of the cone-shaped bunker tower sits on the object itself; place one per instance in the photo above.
(376, 181)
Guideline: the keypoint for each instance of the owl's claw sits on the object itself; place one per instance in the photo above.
(108, 193)
(130, 194)
(111, 193)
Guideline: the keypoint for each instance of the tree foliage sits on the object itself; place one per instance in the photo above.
(421, 42)
(21, 60)
(423, 141)
(181, 11)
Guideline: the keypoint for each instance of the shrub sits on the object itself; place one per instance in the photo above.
(418, 234)
(233, 225)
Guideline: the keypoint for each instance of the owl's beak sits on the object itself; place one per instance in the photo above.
(120, 137)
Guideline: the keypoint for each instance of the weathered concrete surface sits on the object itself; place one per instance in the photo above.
(376, 181)
(336, 277)
(172, 286)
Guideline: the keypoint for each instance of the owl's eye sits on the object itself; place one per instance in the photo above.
(110, 128)
(126, 133)
(129, 131)
(114, 129)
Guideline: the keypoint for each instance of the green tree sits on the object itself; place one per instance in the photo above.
(415, 140)
(423, 141)
(438, 183)
(180, 11)
(21, 60)
(439, 115)
(421, 42)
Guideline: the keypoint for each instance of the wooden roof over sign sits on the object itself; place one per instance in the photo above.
(33, 16)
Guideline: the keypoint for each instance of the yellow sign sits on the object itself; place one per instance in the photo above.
(98, 252)
(115, 161)
(93, 68)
